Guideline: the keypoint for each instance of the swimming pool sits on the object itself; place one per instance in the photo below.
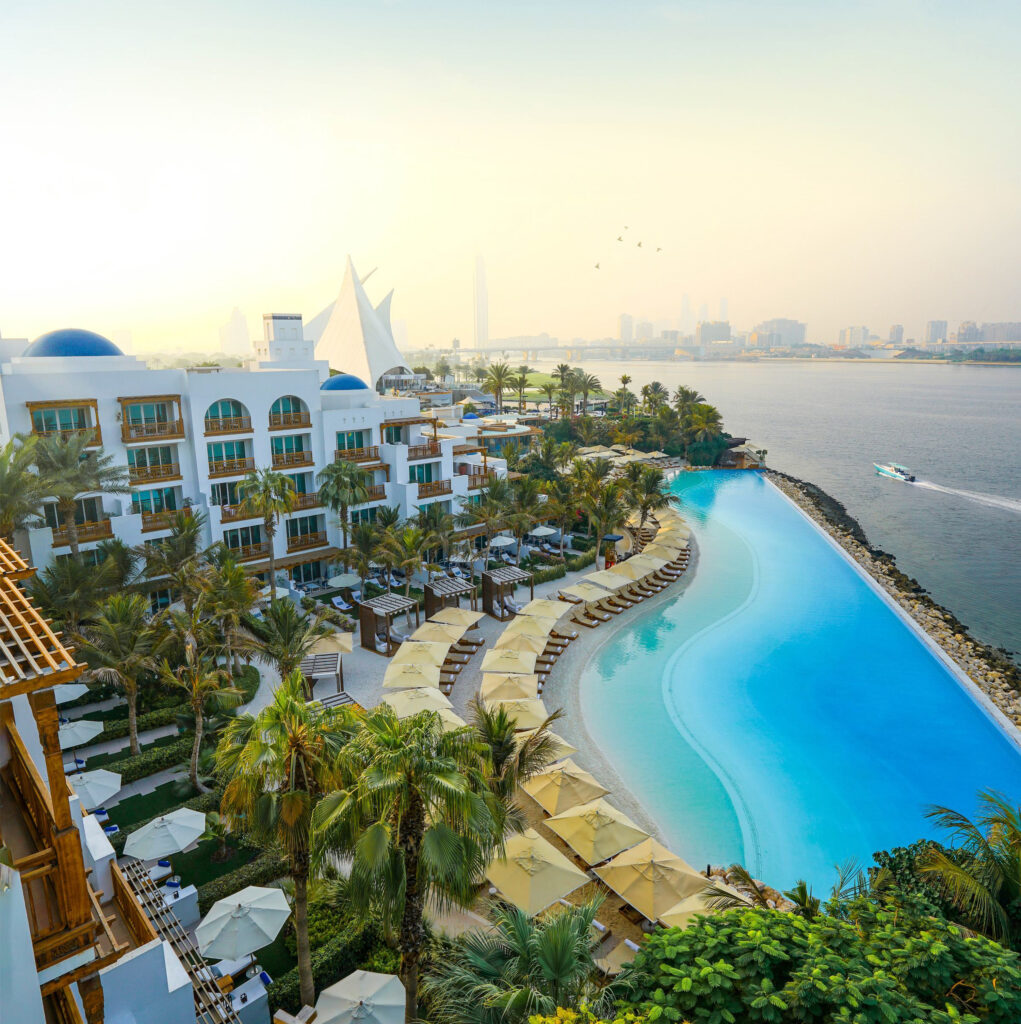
(779, 712)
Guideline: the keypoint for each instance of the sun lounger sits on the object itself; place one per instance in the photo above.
(568, 598)
(614, 609)
(566, 634)
(341, 605)
(583, 619)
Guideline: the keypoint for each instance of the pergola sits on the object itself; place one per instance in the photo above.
(444, 590)
(384, 608)
(496, 582)
(322, 666)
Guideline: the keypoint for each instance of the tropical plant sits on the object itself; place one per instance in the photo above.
(524, 508)
(341, 485)
(607, 509)
(218, 831)
(520, 966)
(489, 513)
(70, 466)
(122, 648)
(562, 506)
(285, 635)
(364, 540)
(267, 494)
(587, 384)
(685, 398)
(277, 765)
(647, 493)
(416, 817)
(231, 596)
(179, 558)
(124, 561)
(520, 384)
(406, 550)
(704, 424)
(499, 378)
(70, 590)
(654, 395)
(21, 488)
(549, 389)
(981, 878)
(387, 517)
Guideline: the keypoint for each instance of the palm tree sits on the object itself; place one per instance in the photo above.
(179, 557)
(499, 378)
(523, 968)
(685, 398)
(520, 383)
(435, 520)
(124, 561)
(231, 594)
(655, 395)
(286, 635)
(568, 389)
(704, 425)
(512, 453)
(489, 513)
(69, 467)
(606, 510)
(416, 816)
(549, 389)
(21, 488)
(647, 494)
(218, 830)
(624, 396)
(408, 550)
(524, 509)
(387, 517)
(278, 764)
(364, 540)
(269, 495)
(70, 590)
(341, 485)
(982, 876)
(587, 384)
(121, 647)
(561, 506)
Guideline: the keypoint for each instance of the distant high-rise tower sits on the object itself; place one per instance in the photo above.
(935, 332)
(626, 328)
(723, 309)
(481, 304)
(897, 334)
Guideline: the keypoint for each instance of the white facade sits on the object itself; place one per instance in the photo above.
(188, 438)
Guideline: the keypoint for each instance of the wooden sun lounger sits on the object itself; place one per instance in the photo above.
(610, 605)
(583, 619)
(622, 600)
(567, 634)
(568, 598)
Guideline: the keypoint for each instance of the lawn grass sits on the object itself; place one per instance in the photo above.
(146, 806)
(275, 959)
(198, 867)
(99, 760)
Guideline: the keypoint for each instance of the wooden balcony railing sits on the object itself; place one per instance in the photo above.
(375, 492)
(161, 520)
(280, 420)
(310, 500)
(431, 450)
(230, 467)
(468, 447)
(368, 454)
(148, 431)
(135, 918)
(231, 513)
(434, 487)
(228, 425)
(477, 480)
(153, 474)
(306, 540)
(292, 458)
(101, 530)
(250, 552)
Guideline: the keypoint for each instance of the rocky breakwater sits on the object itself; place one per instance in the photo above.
(992, 670)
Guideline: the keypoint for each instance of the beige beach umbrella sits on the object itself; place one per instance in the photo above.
(530, 625)
(560, 748)
(651, 878)
(521, 642)
(438, 632)
(421, 698)
(683, 913)
(680, 533)
(505, 686)
(522, 662)
(587, 592)
(618, 957)
(450, 721)
(629, 571)
(596, 831)
(609, 581)
(363, 997)
(458, 616)
(532, 874)
(646, 561)
(408, 677)
(333, 643)
(563, 786)
(527, 712)
(547, 609)
(415, 653)
(661, 550)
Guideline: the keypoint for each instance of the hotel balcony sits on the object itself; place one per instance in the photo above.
(154, 474)
(231, 467)
(251, 552)
(469, 447)
(479, 480)
(433, 488)
(228, 425)
(310, 500)
(368, 454)
(307, 540)
(232, 513)
(375, 492)
(161, 520)
(64, 435)
(87, 532)
(131, 433)
(431, 450)
(283, 420)
(292, 459)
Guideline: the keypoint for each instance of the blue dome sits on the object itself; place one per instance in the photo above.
(72, 342)
(469, 416)
(343, 382)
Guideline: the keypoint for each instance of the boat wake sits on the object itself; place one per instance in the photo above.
(989, 500)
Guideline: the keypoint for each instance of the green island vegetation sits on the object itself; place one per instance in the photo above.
(928, 933)
(960, 355)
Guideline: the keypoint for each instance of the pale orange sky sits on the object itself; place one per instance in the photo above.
(853, 164)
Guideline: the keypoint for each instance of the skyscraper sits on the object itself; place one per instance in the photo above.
(481, 304)
(626, 327)
(897, 334)
(935, 332)
(789, 333)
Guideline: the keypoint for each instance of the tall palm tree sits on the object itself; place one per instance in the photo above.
(364, 541)
(549, 389)
(278, 765)
(434, 519)
(685, 398)
(69, 467)
(341, 485)
(231, 594)
(71, 591)
(524, 509)
(121, 647)
(285, 635)
(179, 558)
(520, 383)
(587, 384)
(269, 495)
(647, 493)
(489, 514)
(417, 818)
(21, 488)
(123, 558)
(606, 509)
(704, 424)
(568, 389)
(625, 397)
(387, 517)
(655, 395)
(499, 378)
(521, 968)
(983, 878)
(408, 549)
(562, 506)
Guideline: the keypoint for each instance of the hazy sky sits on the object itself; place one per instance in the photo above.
(852, 162)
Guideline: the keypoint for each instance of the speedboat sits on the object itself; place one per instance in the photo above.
(895, 472)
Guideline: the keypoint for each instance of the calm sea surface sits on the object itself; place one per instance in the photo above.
(957, 427)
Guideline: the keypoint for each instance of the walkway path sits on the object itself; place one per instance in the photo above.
(148, 784)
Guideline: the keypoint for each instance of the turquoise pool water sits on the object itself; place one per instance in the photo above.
(779, 712)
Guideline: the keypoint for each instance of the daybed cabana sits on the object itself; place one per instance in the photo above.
(498, 584)
(375, 618)
(442, 591)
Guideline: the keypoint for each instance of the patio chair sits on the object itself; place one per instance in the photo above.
(341, 605)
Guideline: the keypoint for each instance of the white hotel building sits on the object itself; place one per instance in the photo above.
(188, 437)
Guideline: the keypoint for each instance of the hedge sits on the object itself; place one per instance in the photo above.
(550, 572)
(156, 758)
(582, 561)
(330, 962)
(204, 802)
(247, 681)
(115, 730)
(579, 543)
(266, 868)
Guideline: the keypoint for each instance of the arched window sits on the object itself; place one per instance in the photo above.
(227, 415)
(288, 411)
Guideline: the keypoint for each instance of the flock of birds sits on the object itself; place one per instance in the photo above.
(638, 244)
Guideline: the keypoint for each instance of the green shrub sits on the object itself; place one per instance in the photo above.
(382, 960)
(330, 962)
(324, 924)
(867, 962)
(553, 572)
(575, 563)
(115, 730)
(266, 868)
(247, 680)
(154, 757)
(582, 543)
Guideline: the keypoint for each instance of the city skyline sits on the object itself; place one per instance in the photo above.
(797, 175)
